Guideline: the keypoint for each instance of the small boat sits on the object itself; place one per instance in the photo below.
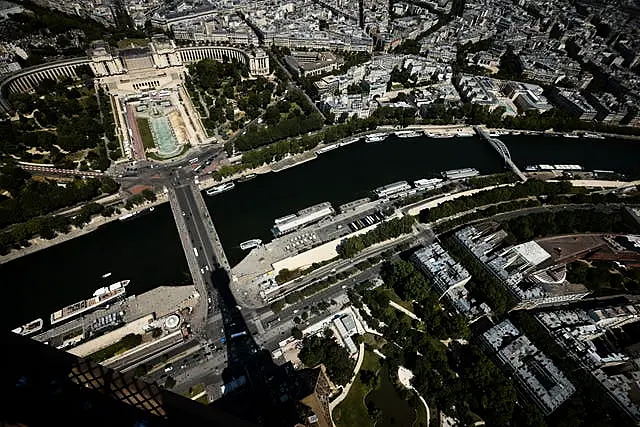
(247, 177)
(250, 244)
(327, 148)
(461, 134)
(105, 275)
(220, 188)
(407, 134)
(29, 328)
(128, 216)
(375, 137)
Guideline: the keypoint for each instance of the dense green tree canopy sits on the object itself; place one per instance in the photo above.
(320, 349)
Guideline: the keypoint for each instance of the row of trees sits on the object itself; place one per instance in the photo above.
(485, 287)
(603, 278)
(277, 151)
(532, 187)
(475, 114)
(273, 152)
(49, 226)
(579, 198)
(115, 151)
(610, 219)
(384, 231)
(486, 212)
(31, 198)
(297, 116)
(316, 287)
(127, 342)
(324, 349)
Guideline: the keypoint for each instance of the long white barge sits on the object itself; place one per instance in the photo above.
(304, 217)
(100, 297)
(327, 148)
(573, 168)
(376, 137)
(460, 173)
(220, 188)
(29, 328)
(392, 190)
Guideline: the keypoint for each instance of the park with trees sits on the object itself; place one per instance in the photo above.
(291, 116)
(455, 377)
(27, 211)
(224, 95)
(604, 278)
(323, 349)
(64, 123)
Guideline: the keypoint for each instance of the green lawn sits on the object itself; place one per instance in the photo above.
(395, 298)
(352, 410)
(421, 412)
(145, 132)
(196, 390)
(373, 341)
(126, 343)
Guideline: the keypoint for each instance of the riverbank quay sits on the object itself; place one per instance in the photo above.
(414, 209)
(576, 134)
(38, 243)
(205, 181)
(130, 315)
(430, 131)
(256, 279)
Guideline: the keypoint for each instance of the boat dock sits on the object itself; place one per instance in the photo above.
(501, 149)
(100, 297)
(159, 302)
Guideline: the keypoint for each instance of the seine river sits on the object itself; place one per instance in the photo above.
(147, 250)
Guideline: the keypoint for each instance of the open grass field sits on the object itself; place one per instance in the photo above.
(145, 133)
(352, 412)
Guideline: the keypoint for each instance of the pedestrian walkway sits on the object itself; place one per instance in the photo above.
(404, 310)
(345, 390)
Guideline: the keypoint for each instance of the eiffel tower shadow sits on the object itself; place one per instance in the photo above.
(256, 389)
